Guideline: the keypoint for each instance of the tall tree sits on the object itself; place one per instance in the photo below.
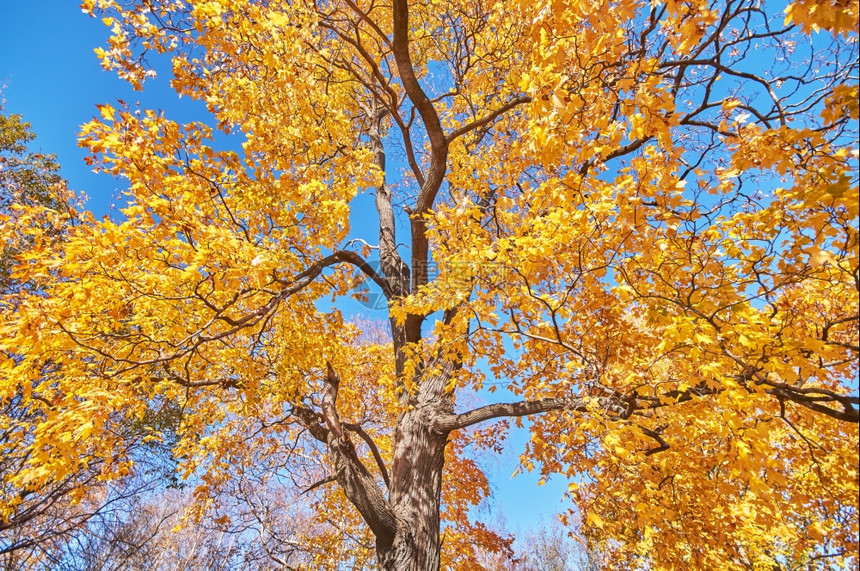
(639, 218)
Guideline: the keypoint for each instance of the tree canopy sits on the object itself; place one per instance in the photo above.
(630, 226)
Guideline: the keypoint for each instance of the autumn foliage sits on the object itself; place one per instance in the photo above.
(630, 226)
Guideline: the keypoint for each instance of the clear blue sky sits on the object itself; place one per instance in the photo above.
(51, 76)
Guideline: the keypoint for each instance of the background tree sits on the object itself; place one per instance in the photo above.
(40, 524)
(32, 519)
(647, 235)
(27, 178)
(548, 546)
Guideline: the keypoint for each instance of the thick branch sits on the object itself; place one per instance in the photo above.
(393, 268)
(311, 421)
(447, 423)
(813, 399)
(206, 334)
(438, 155)
(355, 480)
(329, 404)
(655, 434)
(422, 103)
(621, 407)
(360, 263)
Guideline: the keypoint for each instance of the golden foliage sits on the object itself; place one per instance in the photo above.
(664, 265)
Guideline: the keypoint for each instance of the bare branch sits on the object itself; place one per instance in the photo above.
(373, 449)
(360, 263)
(477, 123)
(357, 483)
(324, 481)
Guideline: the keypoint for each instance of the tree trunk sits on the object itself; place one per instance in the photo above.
(416, 486)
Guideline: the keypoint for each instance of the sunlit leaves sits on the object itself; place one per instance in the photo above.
(638, 219)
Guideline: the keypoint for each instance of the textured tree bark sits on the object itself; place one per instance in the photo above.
(412, 542)
(416, 486)
(406, 523)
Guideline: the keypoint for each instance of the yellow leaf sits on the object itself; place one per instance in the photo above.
(595, 519)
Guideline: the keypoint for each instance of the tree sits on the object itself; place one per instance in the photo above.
(27, 178)
(546, 547)
(40, 522)
(32, 519)
(613, 210)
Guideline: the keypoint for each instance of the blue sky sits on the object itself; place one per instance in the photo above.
(50, 75)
